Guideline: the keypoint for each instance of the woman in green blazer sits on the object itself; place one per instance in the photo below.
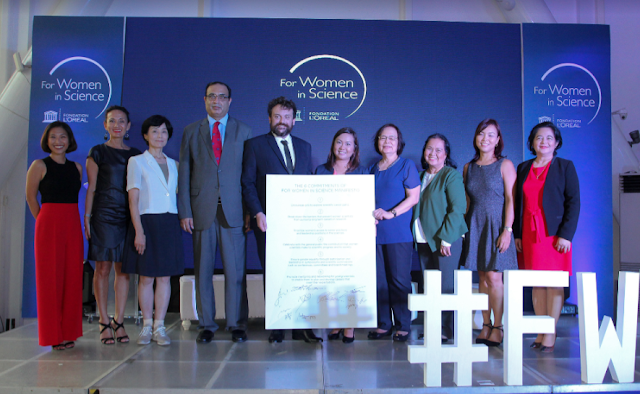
(438, 218)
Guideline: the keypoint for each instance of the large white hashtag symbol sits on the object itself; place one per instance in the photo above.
(463, 352)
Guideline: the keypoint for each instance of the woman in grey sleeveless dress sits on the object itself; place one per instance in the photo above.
(488, 246)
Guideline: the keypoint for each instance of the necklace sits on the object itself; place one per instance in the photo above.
(541, 172)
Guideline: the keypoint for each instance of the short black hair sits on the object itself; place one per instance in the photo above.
(449, 162)
(217, 83)
(284, 103)
(44, 141)
(556, 134)
(401, 142)
(155, 121)
(116, 108)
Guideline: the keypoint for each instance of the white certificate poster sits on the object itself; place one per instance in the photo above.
(320, 252)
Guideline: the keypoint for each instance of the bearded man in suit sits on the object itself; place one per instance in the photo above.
(277, 152)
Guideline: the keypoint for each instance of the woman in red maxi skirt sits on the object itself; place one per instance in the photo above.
(547, 209)
(59, 247)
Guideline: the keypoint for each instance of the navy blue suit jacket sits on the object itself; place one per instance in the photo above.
(261, 157)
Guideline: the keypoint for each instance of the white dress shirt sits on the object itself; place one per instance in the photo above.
(417, 226)
(156, 194)
(281, 146)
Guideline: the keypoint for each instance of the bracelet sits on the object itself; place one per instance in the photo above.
(87, 215)
(509, 229)
(393, 211)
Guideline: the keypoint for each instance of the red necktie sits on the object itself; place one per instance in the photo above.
(216, 142)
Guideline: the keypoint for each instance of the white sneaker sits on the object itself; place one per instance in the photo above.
(145, 336)
(161, 337)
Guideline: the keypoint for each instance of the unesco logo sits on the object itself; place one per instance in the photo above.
(80, 86)
(326, 87)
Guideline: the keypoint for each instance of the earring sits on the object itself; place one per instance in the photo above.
(126, 136)
(106, 136)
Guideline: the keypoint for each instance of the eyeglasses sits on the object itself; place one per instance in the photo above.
(213, 96)
(385, 138)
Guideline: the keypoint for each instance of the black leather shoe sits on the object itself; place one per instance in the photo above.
(276, 336)
(378, 335)
(400, 337)
(305, 335)
(238, 336)
(205, 336)
(444, 339)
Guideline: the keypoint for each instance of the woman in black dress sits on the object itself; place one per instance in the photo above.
(107, 218)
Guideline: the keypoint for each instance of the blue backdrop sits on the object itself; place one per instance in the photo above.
(426, 77)
(567, 81)
(76, 74)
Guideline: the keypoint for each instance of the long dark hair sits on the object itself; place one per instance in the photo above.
(449, 162)
(354, 160)
(497, 152)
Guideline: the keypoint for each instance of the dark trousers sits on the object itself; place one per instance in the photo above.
(232, 244)
(393, 276)
(261, 243)
(433, 260)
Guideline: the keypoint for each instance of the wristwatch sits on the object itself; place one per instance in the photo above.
(509, 229)
(393, 211)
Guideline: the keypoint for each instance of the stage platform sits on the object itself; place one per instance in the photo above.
(256, 366)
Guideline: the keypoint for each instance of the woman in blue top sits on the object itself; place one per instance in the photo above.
(397, 191)
(343, 159)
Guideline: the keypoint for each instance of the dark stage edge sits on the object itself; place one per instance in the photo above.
(256, 366)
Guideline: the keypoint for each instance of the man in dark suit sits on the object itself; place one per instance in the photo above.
(277, 152)
(210, 208)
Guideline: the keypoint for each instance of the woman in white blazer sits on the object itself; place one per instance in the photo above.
(154, 241)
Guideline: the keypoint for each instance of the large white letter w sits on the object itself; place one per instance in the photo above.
(606, 348)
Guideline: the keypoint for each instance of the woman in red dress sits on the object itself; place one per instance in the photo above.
(58, 238)
(547, 209)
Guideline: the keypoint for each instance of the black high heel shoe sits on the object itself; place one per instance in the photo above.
(484, 340)
(346, 339)
(334, 336)
(110, 340)
(122, 339)
(494, 343)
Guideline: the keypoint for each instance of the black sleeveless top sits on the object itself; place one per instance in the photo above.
(61, 183)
